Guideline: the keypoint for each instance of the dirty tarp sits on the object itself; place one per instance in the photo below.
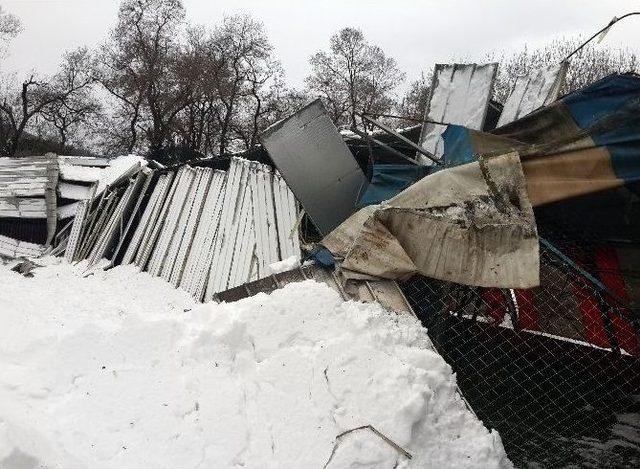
(586, 142)
(472, 224)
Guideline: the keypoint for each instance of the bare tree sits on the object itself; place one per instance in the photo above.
(18, 108)
(9, 26)
(414, 101)
(79, 108)
(141, 68)
(354, 76)
(236, 82)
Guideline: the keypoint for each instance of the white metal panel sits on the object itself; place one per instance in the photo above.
(227, 230)
(156, 218)
(190, 231)
(171, 222)
(79, 223)
(181, 224)
(140, 190)
(460, 94)
(152, 241)
(108, 234)
(196, 273)
(230, 226)
(242, 246)
(286, 218)
(144, 223)
(539, 88)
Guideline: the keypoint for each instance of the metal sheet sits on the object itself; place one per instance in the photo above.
(532, 91)
(460, 94)
(144, 223)
(195, 276)
(200, 190)
(156, 220)
(317, 165)
(79, 224)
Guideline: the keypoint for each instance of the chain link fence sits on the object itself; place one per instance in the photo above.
(555, 369)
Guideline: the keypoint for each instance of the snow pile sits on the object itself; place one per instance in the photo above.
(119, 370)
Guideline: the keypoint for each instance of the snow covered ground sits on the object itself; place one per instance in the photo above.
(119, 370)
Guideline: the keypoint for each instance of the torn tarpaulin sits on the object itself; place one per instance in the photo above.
(586, 142)
(472, 224)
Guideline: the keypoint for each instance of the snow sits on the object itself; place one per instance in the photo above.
(117, 369)
(104, 176)
(284, 265)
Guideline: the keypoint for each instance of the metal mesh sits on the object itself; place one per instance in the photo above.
(554, 369)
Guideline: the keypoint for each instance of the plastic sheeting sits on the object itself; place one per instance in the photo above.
(586, 142)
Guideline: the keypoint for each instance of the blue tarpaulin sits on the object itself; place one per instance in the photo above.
(388, 180)
(585, 142)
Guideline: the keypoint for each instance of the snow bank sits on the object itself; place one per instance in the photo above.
(120, 370)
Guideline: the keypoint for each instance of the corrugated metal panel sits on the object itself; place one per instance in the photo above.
(234, 209)
(79, 224)
(182, 185)
(317, 165)
(460, 94)
(532, 91)
(143, 225)
(201, 193)
(117, 220)
(145, 176)
(286, 214)
(200, 256)
(158, 215)
(183, 217)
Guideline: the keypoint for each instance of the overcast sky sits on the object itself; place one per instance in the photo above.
(417, 33)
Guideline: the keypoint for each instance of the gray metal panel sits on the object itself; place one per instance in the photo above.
(460, 94)
(316, 164)
(532, 91)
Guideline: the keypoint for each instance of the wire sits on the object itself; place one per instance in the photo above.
(611, 23)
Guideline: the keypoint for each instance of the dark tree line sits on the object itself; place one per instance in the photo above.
(174, 91)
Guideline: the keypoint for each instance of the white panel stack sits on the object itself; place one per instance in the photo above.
(189, 224)
(230, 219)
(182, 186)
(207, 231)
(142, 240)
(116, 222)
(286, 212)
(200, 256)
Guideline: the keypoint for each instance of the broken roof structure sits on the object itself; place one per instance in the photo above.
(465, 221)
